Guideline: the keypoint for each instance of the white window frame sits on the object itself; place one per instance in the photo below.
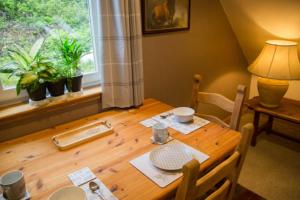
(93, 78)
(9, 96)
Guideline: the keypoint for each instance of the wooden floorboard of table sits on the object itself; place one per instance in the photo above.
(46, 168)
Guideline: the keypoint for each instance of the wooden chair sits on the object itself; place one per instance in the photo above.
(220, 182)
(234, 107)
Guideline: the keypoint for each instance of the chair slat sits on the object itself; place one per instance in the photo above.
(213, 119)
(234, 107)
(226, 173)
(221, 193)
(225, 169)
(216, 99)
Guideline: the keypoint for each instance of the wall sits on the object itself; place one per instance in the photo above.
(255, 21)
(209, 48)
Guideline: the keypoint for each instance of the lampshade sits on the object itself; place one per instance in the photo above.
(278, 60)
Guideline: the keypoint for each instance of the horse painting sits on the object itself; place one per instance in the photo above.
(165, 15)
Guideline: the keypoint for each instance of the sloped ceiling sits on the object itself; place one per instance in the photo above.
(255, 21)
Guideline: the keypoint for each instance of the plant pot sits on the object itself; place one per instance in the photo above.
(56, 88)
(74, 84)
(38, 94)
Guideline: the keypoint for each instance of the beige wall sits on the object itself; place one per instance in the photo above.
(209, 48)
(255, 21)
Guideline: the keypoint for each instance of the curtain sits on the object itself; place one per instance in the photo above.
(121, 53)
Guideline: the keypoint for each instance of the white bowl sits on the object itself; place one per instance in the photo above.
(68, 193)
(183, 114)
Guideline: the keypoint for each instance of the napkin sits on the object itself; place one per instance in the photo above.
(82, 177)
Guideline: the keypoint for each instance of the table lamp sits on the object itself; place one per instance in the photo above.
(276, 64)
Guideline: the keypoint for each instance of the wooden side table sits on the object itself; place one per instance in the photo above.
(288, 110)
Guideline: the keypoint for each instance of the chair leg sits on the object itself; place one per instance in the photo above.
(232, 188)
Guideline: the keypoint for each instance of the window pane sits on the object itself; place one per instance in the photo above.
(22, 22)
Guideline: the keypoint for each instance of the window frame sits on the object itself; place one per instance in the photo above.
(8, 96)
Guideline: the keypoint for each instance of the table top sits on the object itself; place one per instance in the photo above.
(288, 109)
(46, 168)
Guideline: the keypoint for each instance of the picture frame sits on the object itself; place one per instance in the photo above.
(160, 16)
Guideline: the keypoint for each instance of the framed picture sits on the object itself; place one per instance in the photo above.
(165, 15)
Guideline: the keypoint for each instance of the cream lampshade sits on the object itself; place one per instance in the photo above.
(277, 63)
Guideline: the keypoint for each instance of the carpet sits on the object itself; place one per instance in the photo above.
(272, 168)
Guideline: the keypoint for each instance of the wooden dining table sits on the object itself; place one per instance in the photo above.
(46, 168)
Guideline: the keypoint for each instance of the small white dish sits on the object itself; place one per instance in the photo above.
(170, 156)
(183, 114)
(68, 193)
(155, 142)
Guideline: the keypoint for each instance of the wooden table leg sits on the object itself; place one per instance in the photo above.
(256, 127)
(269, 124)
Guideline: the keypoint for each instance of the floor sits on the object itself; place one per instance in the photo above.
(272, 167)
(243, 193)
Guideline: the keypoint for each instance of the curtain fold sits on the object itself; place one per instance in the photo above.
(121, 53)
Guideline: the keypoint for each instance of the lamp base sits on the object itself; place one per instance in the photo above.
(271, 91)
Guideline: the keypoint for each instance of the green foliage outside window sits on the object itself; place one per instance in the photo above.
(22, 22)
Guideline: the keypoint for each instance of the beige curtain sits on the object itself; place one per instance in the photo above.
(121, 55)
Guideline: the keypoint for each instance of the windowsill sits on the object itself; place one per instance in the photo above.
(22, 110)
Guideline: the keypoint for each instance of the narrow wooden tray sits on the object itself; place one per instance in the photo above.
(77, 136)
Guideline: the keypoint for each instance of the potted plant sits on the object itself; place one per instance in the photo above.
(56, 84)
(32, 69)
(71, 52)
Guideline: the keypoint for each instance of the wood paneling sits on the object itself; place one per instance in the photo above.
(20, 120)
(15, 112)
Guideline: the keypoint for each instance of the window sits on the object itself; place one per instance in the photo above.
(22, 22)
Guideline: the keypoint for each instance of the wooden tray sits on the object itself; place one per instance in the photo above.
(77, 136)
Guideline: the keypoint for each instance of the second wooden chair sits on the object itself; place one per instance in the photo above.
(234, 107)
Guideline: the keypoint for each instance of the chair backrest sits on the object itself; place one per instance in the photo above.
(234, 107)
(221, 180)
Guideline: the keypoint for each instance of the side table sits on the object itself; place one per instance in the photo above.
(288, 110)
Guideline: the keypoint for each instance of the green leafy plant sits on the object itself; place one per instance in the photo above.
(31, 67)
(21, 22)
(71, 52)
